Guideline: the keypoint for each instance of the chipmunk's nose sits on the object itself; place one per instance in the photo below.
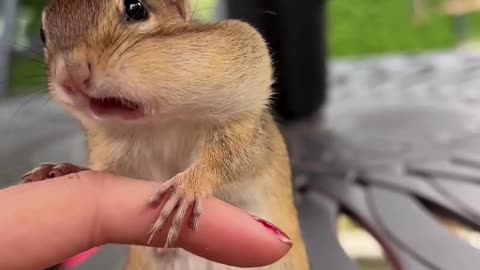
(74, 76)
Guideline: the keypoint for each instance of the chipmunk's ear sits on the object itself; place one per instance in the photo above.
(183, 6)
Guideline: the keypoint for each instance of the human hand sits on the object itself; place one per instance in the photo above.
(46, 222)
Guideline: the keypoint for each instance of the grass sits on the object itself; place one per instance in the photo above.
(356, 28)
(365, 27)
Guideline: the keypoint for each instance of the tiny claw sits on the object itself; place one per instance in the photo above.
(152, 234)
(49, 170)
(25, 176)
(157, 198)
(196, 213)
(176, 206)
(38, 174)
(170, 239)
(177, 223)
(54, 173)
(26, 180)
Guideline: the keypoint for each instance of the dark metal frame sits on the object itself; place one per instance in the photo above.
(296, 34)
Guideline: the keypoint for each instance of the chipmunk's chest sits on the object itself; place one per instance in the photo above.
(155, 155)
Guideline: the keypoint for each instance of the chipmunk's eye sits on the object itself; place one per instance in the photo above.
(135, 10)
(42, 36)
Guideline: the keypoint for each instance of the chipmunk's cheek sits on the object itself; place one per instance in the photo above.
(57, 91)
(60, 94)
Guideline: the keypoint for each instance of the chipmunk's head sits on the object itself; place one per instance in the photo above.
(135, 61)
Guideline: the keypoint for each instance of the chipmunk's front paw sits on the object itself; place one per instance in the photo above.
(182, 198)
(50, 170)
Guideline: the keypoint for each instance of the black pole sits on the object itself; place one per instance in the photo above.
(296, 33)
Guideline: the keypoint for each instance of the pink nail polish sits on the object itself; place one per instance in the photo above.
(278, 233)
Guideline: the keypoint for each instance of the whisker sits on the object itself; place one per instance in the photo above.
(29, 98)
(270, 12)
(49, 98)
(121, 43)
(25, 47)
(38, 61)
(38, 76)
(110, 34)
(194, 10)
(130, 47)
(39, 79)
(32, 84)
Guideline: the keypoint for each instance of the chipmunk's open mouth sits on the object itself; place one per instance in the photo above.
(114, 106)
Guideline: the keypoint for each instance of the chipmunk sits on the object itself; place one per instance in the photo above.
(164, 98)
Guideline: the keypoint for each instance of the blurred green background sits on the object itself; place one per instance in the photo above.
(356, 28)
(362, 27)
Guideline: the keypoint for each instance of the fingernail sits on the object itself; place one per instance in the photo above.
(275, 230)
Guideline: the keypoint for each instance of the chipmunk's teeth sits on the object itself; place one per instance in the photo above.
(111, 106)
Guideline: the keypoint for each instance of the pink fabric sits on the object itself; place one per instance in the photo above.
(79, 259)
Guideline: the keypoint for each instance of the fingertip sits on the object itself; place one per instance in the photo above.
(231, 236)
